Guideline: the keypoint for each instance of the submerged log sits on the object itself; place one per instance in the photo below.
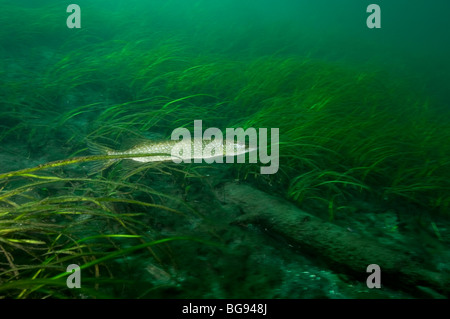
(342, 250)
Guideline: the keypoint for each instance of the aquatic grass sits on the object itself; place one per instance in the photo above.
(157, 114)
(334, 120)
(330, 118)
(51, 284)
(43, 227)
(108, 186)
(100, 66)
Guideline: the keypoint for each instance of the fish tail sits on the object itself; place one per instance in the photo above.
(97, 149)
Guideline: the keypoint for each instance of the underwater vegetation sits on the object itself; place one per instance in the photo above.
(49, 221)
(347, 133)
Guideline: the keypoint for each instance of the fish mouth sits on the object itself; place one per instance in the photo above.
(251, 149)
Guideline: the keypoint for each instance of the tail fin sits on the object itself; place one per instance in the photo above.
(100, 165)
(97, 149)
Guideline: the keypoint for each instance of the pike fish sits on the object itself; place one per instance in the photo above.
(184, 150)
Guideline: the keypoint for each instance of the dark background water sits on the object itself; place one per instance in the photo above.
(409, 28)
(413, 40)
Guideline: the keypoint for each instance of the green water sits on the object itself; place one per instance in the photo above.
(363, 121)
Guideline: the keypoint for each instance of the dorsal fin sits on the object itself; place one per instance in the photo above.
(145, 137)
(155, 136)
